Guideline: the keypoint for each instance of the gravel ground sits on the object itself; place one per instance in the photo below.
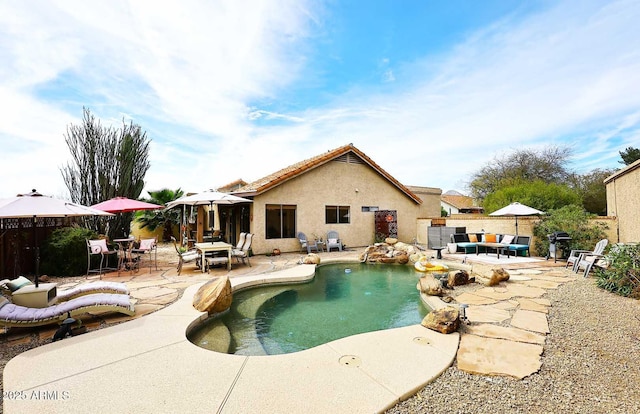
(591, 364)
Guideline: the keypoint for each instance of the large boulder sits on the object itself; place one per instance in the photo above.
(428, 285)
(214, 296)
(311, 258)
(444, 320)
(458, 278)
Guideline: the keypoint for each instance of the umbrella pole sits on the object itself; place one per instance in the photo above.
(516, 226)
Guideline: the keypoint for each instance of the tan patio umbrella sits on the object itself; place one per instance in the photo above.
(204, 198)
(516, 209)
(34, 205)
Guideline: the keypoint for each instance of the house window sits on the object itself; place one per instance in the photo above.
(280, 221)
(337, 214)
(366, 209)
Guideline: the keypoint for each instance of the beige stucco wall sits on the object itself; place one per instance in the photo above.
(336, 183)
(503, 225)
(623, 201)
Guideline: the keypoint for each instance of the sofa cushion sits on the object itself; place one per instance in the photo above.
(507, 239)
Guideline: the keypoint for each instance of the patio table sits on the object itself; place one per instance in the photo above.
(203, 248)
(487, 246)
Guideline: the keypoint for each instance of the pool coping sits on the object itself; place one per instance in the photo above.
(147, 365)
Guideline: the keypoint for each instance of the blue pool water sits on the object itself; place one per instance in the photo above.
(342, 300)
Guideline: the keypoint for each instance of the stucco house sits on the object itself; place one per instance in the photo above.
(342, 190)
(623, 201)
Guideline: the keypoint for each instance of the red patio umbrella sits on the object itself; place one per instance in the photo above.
(124, 205)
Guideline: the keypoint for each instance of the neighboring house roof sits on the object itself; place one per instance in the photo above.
(460, 202)
(273, 180)
(623, 171)
(232, 186)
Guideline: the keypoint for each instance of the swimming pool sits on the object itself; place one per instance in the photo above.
(342, 300)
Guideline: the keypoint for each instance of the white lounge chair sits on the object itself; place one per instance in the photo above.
(12, 315)
(577, 255)
(10, 286)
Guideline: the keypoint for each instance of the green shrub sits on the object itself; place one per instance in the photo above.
(64, 253)
(574, 220)
(622, 276)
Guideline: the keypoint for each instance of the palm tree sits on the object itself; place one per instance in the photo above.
(165, 218)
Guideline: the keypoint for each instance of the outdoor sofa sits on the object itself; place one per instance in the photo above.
(468, 243)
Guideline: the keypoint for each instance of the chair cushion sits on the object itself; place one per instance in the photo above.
(147, 244)
(17, 283)
(100, 246)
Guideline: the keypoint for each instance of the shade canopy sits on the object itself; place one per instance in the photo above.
(208, 197)
(35, 204)
(516, 209)
(124, 205)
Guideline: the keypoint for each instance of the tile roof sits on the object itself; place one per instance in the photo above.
(273, 180)
(460, 202)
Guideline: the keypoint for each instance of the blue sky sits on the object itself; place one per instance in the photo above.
(430, 90)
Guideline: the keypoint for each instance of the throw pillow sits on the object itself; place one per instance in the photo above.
(490, 238)
(473, 238)
(333, 241)
(16, 284)
(507, 239)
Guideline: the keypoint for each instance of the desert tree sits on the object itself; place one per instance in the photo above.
(548, 164)
(106, 162)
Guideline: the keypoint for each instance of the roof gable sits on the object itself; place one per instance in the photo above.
(347, 153)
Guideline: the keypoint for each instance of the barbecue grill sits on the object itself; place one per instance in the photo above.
(558, 245)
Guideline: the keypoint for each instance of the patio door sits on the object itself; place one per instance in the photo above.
(386, 222)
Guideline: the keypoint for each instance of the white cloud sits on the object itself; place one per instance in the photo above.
(191, 73)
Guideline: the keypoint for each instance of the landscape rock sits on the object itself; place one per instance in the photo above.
(428, 285)
(311, 258)
(214, 296)
(445, 320)
(458, 278)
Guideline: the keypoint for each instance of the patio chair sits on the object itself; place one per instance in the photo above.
(306, 244)
(99, 247)
(575, 255)
(148, 247)
(186, 256)
(10, 286)
(587, 261)
(333, 241)
(244, 252)
(12, 315)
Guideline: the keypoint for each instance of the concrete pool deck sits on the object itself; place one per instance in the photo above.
(148, 365)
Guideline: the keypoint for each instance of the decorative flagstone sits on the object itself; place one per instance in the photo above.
(496, 294)
(489, 356)
(529, 304)
(506, 305)
(542, 301)
(502, 332)
(473, 299)
(544, 284)
(517, 277)
(488, 313)
(519, 290)
(531, 321)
